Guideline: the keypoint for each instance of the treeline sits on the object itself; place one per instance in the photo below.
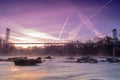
(97, 47)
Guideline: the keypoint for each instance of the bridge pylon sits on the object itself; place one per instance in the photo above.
(7, 35)
(115, 42)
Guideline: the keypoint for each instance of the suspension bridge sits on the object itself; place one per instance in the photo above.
(23, 39)
(9, 39)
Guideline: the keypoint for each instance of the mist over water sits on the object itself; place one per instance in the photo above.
(60, 69)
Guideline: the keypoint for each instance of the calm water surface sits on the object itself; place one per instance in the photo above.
(60, 69)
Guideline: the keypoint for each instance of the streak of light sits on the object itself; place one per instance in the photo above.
(63, 27)
(77, 30)
(82, 18)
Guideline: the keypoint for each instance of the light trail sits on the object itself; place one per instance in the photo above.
(96, 32)
(83, 19)
(63, 27)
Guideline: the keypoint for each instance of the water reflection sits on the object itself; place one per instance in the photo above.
(59, 70)
(28, 75)
(25, 73)
(13, 68)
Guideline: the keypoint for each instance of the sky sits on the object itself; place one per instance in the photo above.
(59, 19)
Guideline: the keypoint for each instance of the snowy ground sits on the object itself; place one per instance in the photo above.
(60, 69)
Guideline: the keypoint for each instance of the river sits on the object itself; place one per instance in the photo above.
(60, 69)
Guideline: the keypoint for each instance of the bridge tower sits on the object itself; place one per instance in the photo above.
(115, 38)
(7, 36)
(115, 42)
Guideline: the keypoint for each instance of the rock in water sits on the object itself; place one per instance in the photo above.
(27, 62)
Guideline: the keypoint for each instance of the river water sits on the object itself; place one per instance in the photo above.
(60, 69)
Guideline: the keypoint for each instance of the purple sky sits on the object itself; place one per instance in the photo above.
(60, 18)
